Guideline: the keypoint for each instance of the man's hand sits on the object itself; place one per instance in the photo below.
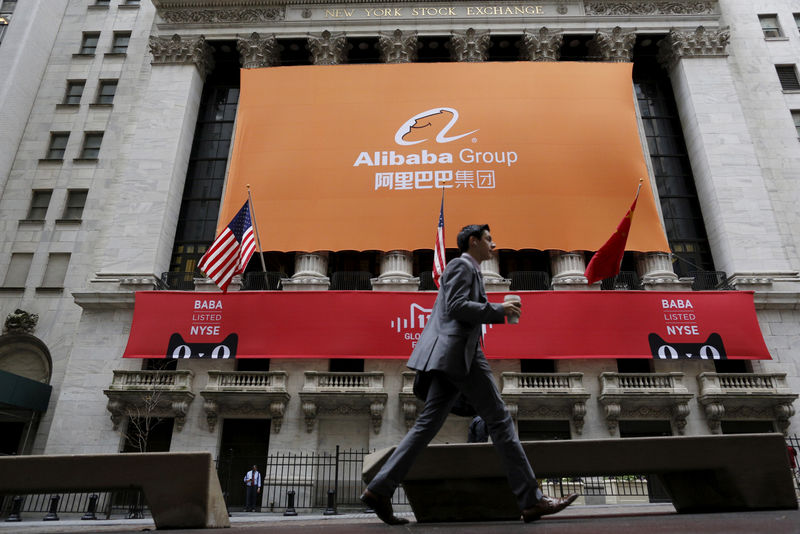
(512, 308)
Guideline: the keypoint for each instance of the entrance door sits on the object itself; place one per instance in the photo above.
(11, 436)
(244, 444)
(644, 429)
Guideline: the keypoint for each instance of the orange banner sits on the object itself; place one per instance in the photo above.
(354, 157)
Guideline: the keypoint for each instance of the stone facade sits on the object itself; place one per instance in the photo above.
(736, 120)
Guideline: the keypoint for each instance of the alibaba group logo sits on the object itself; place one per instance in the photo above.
(423, 126)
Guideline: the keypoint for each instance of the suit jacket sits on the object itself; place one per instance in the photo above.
(449, 341)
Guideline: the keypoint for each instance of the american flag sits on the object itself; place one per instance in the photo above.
(231, 250)
(438, 248)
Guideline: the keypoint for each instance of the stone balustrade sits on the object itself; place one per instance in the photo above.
(546, 396)
(150, 394)
(746, 396)
(236, 392)
(644, 396)
(343, 394)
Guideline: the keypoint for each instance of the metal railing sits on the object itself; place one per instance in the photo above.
(262, 281)
(426, 282)
(351, 281)
(529, 280)
(624, 281)
(179, 281)
(710, 280)
(129, 504)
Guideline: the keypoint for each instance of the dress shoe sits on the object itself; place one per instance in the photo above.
(546, 506)
(383, 508)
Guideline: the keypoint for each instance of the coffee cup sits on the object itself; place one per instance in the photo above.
(513, 319)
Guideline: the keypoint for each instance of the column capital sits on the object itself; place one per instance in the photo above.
(615, 45)
(398, 46)
(698, 43)
(470, 45)
(257, 51)
(178, 51)
(327, 48)
(543, 44)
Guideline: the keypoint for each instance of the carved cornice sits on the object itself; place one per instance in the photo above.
(699, 43)
(615, 46)
(327, 48)
(671, 7)
(176, 51)
(542, 45)
(398, 46)
(470, 45)
(241, 15)
(257, 51)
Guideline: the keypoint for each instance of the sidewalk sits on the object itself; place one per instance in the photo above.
(588, 519)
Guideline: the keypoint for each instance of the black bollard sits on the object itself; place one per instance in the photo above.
(90, 512)
(290, 503)
(52, 514)
(16, 506)
(331, 509)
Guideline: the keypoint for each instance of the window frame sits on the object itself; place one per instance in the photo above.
(115, 46)
(796, 80)
(100, 96)
(86, 50)
(70, 206)
(21, 257)
(86, 147)
(777, 28)
(56, 150)
(39, 194)
(72, 84)
(55, 273)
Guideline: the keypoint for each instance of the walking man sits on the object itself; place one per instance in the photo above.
(449, 352)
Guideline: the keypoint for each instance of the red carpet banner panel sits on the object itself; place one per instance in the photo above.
(373, 324)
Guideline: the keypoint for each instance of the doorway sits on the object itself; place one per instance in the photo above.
(245, 443)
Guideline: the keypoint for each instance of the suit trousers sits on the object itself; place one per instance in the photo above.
(481, 391)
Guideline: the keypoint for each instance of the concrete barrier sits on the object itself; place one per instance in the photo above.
(466, 482)
(181, 488)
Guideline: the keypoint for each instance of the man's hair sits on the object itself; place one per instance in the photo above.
(469, 231)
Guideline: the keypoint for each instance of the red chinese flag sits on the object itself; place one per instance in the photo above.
(606, 261)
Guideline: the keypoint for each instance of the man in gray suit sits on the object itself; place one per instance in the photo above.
(449, 352)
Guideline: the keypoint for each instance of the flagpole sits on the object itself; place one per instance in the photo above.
(255, 227)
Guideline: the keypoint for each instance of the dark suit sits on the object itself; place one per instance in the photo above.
(449, 349)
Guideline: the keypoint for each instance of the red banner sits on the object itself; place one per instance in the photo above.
(375, 324)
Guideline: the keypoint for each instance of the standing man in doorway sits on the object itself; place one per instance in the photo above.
(252, 481)
(450, 358)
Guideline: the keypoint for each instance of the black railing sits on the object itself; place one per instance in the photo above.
(129, 504)
(262, 281)
(426, 282)
(710, 281)
(179, 281)
(624, 281)
(529, 280)
(351, 280)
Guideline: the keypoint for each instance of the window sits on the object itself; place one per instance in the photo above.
(3, 25)
(102, 3)
(56, 270)
(39, 202)
(797, 21)
(106, 92)
(770, 26)
(58, 145)
(17, 273)
(132, 2)
(76, 200)
(91, 145)
(74, 92)
(120, 44)
(89, 43)
(787, 74)
(796, 118)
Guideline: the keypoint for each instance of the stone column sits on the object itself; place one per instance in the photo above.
(730, 183)
(156, 156)
(492, 280)
(310, 272)
(469, 45)
(398, 46)
(397, 267)
(568, 269)
(655, 270)
(615, 46)
(257, 52)
(542, 45)
(328, 48)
